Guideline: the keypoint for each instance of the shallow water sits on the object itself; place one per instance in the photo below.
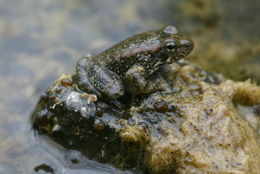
(40, 40)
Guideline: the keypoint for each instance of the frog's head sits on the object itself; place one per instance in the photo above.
(174, 45)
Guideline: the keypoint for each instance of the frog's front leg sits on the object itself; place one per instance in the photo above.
(92, 77)
(137, 83)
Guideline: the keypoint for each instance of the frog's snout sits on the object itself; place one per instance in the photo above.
(186, 45)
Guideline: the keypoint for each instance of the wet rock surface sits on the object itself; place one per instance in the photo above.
(197, 125)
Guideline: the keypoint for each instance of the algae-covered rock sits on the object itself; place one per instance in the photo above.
(199, 124)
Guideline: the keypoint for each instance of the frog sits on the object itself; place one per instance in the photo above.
(127, 66)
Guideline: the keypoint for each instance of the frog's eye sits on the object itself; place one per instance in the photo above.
(170, 45)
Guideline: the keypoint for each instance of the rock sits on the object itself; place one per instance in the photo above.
(196, 126)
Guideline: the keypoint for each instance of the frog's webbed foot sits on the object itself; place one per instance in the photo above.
(137, 83)
(92, 77)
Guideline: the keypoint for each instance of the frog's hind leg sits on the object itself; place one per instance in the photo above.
(95, 78)
(81, 77)
(105, 81)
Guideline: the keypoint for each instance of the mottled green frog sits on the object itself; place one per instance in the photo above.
(126, 66)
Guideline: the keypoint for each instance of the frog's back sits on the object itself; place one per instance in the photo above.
(127, 52)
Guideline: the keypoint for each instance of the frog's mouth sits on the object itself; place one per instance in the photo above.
(173, 59)
(169, 60)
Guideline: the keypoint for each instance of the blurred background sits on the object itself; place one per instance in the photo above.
(43, 39)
